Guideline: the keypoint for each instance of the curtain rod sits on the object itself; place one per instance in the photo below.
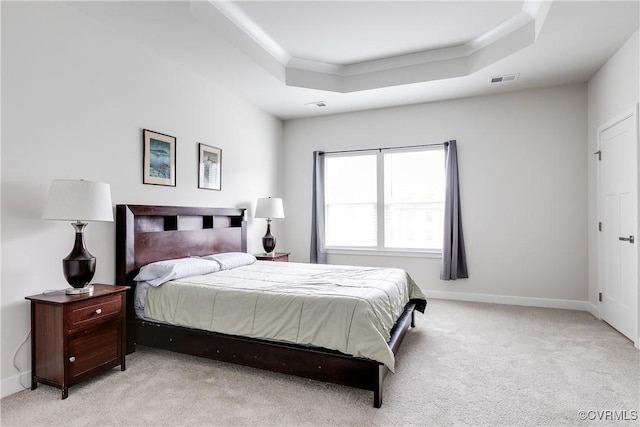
(444, 144)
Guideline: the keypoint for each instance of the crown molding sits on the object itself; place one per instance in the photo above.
(505, 39)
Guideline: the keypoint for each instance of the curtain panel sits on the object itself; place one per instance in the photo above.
(454, 259)
(318, 253)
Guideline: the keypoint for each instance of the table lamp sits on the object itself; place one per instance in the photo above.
(269, 208)
(79, 201)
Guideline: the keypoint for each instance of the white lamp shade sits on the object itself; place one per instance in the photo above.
(78, 200)
(269, 207)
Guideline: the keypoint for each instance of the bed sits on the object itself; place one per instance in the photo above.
(148, 234)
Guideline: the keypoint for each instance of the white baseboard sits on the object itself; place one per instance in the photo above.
(511, 300)
(15, 384)
(594, 310)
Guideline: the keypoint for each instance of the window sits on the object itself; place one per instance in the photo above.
(351, 201)
(392, 200)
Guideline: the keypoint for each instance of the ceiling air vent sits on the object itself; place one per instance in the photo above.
(506, 78)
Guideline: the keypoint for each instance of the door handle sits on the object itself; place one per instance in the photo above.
(629, 239)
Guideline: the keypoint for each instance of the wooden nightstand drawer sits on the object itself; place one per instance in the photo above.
(87, 313)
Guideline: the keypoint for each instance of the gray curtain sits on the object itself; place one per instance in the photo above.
(318, 253)
(454, 259)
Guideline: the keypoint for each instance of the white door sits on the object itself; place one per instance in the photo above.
(618, 238)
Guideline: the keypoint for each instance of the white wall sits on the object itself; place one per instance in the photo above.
(523, 180)
(614, 89)
(75, 98)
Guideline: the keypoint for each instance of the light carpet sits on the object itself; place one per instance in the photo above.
(463, 364)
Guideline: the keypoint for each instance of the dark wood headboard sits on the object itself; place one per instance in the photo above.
(146, 234)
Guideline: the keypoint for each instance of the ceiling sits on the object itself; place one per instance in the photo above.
(287, 57)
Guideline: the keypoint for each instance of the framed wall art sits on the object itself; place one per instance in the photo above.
(210, 167)
(159, 160)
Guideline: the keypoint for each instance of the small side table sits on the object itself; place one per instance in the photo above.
(74, 337)
(274, 256)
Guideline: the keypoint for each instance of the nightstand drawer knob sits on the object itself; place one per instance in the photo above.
(72, 359)
(98, 311)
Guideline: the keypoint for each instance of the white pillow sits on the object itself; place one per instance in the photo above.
(159, 272)
(229, 260)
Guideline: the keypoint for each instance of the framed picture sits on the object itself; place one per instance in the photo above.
(210, 167)
(159, 158)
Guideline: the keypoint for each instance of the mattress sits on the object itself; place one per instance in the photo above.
(346, 308)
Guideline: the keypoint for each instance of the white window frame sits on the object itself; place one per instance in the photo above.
(381, 250)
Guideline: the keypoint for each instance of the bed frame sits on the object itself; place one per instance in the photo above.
(147, 234)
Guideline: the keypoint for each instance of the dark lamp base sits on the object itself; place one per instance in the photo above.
(269, 240)
(79, 266)
(269, 244)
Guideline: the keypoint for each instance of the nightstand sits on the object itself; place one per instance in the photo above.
(74, 337)
(274, 256)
